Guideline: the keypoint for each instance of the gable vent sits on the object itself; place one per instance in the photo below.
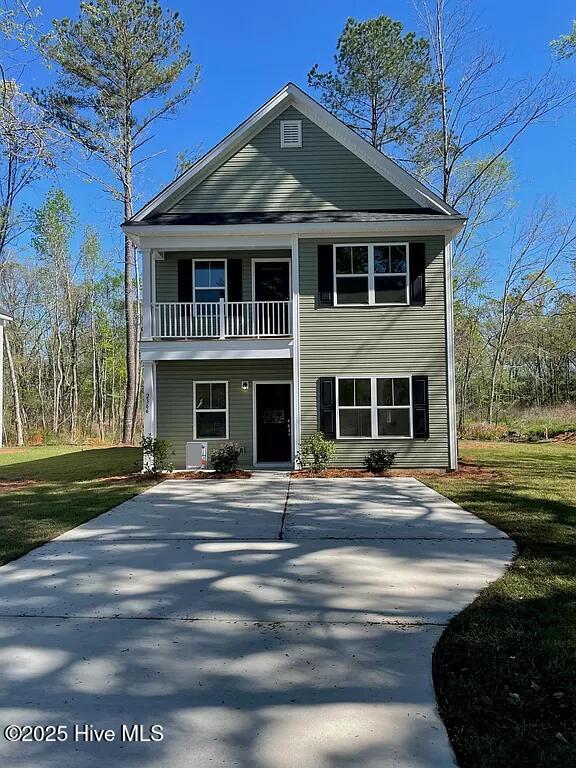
(290, 133)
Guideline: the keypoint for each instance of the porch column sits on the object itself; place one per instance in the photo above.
(1, 381)
(149, 383)
(147, 297)
(450, 361)
(296, 344)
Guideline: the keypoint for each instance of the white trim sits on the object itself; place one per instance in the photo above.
(373, 407)
(450, 362)
(150, 408)
(291, 95)
(254, 431)
(208, 287)
(218, 349)
(210, 410)
(175, 237)
(296, 415)
(1, 383)
(268, 261)
(147, 296)
(298, 142)
(371, 274)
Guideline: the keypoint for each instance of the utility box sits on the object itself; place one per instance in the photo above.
(196, 455)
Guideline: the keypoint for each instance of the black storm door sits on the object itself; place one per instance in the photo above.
(273, 427)
(272, 293)
(271, 280)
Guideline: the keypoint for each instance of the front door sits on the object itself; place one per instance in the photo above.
(273, 424)
(272, 294)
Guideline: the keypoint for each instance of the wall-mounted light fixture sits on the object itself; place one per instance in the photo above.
(245, 386)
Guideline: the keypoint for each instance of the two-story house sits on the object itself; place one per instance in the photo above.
(296, 279)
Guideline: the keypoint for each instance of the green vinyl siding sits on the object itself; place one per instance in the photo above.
(167, 269)
(372, 341)
(174, 398)
(322, 174)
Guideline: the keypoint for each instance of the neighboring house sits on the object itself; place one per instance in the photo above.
(296, 279)
(4, 318)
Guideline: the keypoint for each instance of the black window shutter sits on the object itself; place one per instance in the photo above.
(234, 268)
(417, 258)
(420, 406)
(325, 276)
(185, 280)
(327, 406)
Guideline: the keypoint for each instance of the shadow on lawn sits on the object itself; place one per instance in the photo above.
(86, 464)
(504, 674)
(528, 520)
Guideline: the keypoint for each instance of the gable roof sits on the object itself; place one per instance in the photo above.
(291, 95)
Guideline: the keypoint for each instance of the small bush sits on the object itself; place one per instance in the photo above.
(156, 454)
(316, 452)
(225, 459)
(378, 460)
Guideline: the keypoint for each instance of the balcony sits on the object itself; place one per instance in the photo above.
(222, 320)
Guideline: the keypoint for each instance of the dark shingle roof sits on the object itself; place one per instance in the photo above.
(292, 217)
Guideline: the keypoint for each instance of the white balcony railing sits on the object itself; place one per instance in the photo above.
(221, 319)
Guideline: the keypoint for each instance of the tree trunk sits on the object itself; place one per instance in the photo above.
(15, 394)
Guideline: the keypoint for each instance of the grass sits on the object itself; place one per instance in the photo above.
(505, 669)
(47, 490)
(526, 424)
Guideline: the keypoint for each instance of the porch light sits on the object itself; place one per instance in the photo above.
(245, 386)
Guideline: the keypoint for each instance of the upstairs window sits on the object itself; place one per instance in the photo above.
(290, 133)
(209, 280)
(374, 407)
(371, 274)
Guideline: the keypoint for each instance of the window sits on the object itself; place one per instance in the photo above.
(393, 407)
(351, 274)
(210, 410)
(374, 407)
(354, 407)
(209, 280)
(371, 274)
(290, 133)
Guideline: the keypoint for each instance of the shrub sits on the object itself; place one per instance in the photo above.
(156, 454)
(378, 460)
(481, 430)
(225, 459)
(316, 452)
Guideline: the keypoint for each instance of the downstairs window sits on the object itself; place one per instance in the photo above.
(374, 407)
(210, 410)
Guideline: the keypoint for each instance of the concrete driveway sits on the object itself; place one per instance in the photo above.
(262, 623)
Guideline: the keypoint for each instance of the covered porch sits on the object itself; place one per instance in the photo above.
(221, 294)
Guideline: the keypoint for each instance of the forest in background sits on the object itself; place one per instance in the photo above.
(435, 100)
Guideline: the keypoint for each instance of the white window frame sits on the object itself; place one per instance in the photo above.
(211, 410)
(265, 260)
(297, 123)
(371, 275)
(209, 288)
(374, 407)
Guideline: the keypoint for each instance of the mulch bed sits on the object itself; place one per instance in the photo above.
(300, 474)
(466, 470)
(239, 474)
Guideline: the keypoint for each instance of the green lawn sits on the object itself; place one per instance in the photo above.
(45, 491)
(505, 669)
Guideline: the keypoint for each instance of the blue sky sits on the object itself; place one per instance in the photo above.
(247, 51)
